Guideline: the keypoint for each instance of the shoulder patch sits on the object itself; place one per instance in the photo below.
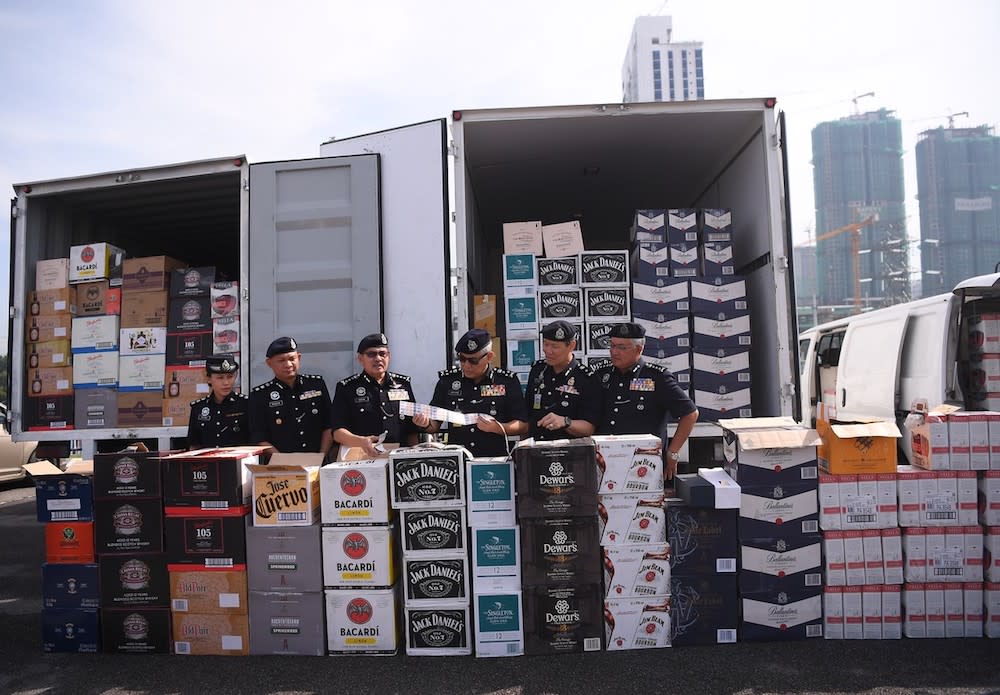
(589, 371)
(538, 363)
(658, 367)
(312, 376)
(241, 396)
(449, 371)
(506, 373)
(261, 387)
(401, 377)
(352, 377)
(197, 401)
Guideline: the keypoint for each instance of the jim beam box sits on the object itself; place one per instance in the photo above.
(606, 303)
(285, 623)
(660, 296)
(55, 353)
(682, 226)
(128, 526)
(556, 478)
(355, 493)
(362, 556)
(436, 581)
(562, 239)
(631, 518)
(95, 334)
(560, 550)
(721, 330)
(225, 299)
(423, 478)
(433, 532)
(490, 494)
(226, 335)
(716, 224)
(519, 270)
(604, 268)
(95, 262)
(190, 314)
(127, 474)
(286, 491)
(649, 226)
(566, 304)
(773, 564)
(769, 452)
(563, 619)
(629, 463)
(70, 630)
(717, 259)
(211, 634)
(684, 260)
(782, 615)
(703, 542)
(779, 511)
(284, 558)
(141, 373)
(52, 274)
(665, 331)
(438, 631)
(211, 479)
(637, 570)
(209, 591)
(361, 621)
(637, 623)
(134, 580)
(70, 586)
(189, 348)
(703, 610)
(192, 282)
(61, 495)
(496, 558)
(557, 272)
(499, 623)
(211, 539)
(650, 263)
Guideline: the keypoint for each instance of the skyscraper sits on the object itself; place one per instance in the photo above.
(657, 69)
(858, 178)
(958, 186)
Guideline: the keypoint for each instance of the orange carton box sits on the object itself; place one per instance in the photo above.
(209, 591)
(206, 633)
(69, 541)
(860, 447)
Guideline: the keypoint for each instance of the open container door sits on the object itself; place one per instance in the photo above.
(866, 387)
(315, 262)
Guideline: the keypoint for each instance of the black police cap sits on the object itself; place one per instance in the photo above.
(475, 340)
(373, 340)
(220, 364)
(559, 330)
(628, 330)
(279, 346)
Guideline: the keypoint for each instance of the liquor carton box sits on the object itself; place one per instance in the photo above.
(522, 237)
(284, 558)
(892, 611)
(719, 294)
(355, 493)
(677, 361)
(914, 610)
(133, 580)
(438, 631)
(192, 282)
(637, 623)
(225, 298)
(684, 260)
(597, 337)
(211, 634)
(130, 473)
(563, 619)
(854, 556)
(182, 385)
(871, 608)
(72, 586)
(207, 539)
(226, 335)
(778, 564)
(209, 478)
(973, 608)
(991, 556)
(959, 444)
(606, 303)
(857, 447)
(496, 558)
(189, 348)
(834, 559)
(52, 274)
(780, 511)
(286, 490)
(422, 478)
(637, 570)
(190, 314)
(484, 312)
(631, 518)
(95, 262)
(994, 429)
(629, 463)
(604, 268)
(769, 451)
(51, 381)
(92, 298)
(60, 495)
(935, 605)
(720, 402)
(144, 309)
(128, 526)
(70, 630)
(55, 353)
(716, 224)
(874, 563)
(782, 615)
(43, 329)
(490, 493)
(286, 623)
(650, 263)
(721, 329)
(49, 413)
(141, 372)
(682, 225)
(555, 478)
(558, 272)
(979, 441)
(704, 610)
(703, 542)
(989, 498)
(717, 259)
(892, 555)
(209, 591)
(52, 302)
(715, 368)
(149, 274)
(433, 532)
(954, 611)
(853, 612)
(96, 370)
(558, 303)
(435, 581)
(562, 239)
(560, 550)
(142, 341)
(915, 554)
(498, 623)
(649, 226)
(522, 316)
(362, 621)
(69, 542)
(521, 354)
(671, 330)
(660, 296)
(519, 270)
(361, 556)
(95, 333)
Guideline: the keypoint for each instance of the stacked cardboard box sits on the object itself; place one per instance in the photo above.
(51, 308)
(189, 341)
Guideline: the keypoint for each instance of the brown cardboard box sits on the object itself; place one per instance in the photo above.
(857, 447)
(484, 310)
(92, 298)
(181, 386)
(142, 309)
(148, 274)
(55, 353)
(50, 381)
(42, 329)
(199, 633)
(52, 302)
(52, 274)
(209, 591)
(140, 409)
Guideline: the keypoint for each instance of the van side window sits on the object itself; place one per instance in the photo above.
(803, 353)
(828, 350)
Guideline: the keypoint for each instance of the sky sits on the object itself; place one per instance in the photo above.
(110, 84)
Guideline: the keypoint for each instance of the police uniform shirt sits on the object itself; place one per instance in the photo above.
(219, 424)
(571, 393)
(292, 418)
(498, 394)
(637, 402)
(364, 407)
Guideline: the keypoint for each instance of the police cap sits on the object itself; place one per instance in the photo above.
(475, 340)
(220, 364)
(372, 340)
(559, 330)
(628, 330)
(279, 346)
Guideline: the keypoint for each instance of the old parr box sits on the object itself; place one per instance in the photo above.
(284, 558)
(556, 478)
(134, 580)
(704, 610)
(433, 532)
(136, 630)
(70, 630)
(70, 586)
(362, 621)
(355, 493)
(128, 526)
(208, 591)
(126, 474)
(563, 619)
(361, 556)
(211, 634)
(560, 550)
(427, 477)
(209, 539)
(287, 623)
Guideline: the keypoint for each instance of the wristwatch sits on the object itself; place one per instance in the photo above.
(673, 456)
(566, 421)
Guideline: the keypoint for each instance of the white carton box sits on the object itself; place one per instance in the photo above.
(854, 613)
(979, 441)
(989, 498)
(954, 611)
(991, 543)
(834, 559)
(354, 493)
(862, 511)
(915, 554)
(629, 519)
(142, 341)
(562, 239)
(871, 608)
(425, 478)
(914, 610)
(972, 599)
(991, 608)
(226, 335)
(225, 298)
(888, 509)
(637, 623)
(874, 562)
(959, 444)
(561, 303)
(629, 463)
(934, 603)
(522, 237)
(433, 532)
(940, 559)
(490, 492)
(854, 557)
(499, 624)
(94, 333)
(637, 570)
(994, 423)
(141, 372)
(361, 621)
(847, 492)
(833, 612)
(496, 559)
(829, 502)
(95, 369)
(968, 498)
(892, 611)
(973, 553)
(519, 270)
(908, 495)
(892, 555)
(360, 556)
(94, 262)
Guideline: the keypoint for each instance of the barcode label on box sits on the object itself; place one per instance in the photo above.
(725, 564)
(513, 648)
(291, 516)
(814, 630)
(218, 562)
(182, 647)
(725, 636)
(810, 527)
(214, 504)
(592, 644)
(179, 604)
(64, 516)
(814, 579)
(809, 473)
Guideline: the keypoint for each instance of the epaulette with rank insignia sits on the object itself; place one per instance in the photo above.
(261, 387)
(657, 367)
(506, 372)
(450, 371)
(352, 377)
(199, 400)
(311, 376)
(401, 377)
(586, 369)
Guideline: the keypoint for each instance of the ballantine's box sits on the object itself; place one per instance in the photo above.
(631, 518)
(498, 623)
(427, 477)
(665, 331)
(284, 558)
(556, 478)
(684, 260)
(717, 259)
(769, 451)
(438, 631)
(637, 570)
(629, 463)
(703, 542)
(135, 580)
(677, 361)
(287, 623)
(355, 493)
(131, 525)
(209, 479)
(70, 586)
(782, 511)
(650, 263)
(560, 550)
(70, 630)
(782, 615)
(563, 619)
(209, 591)
(649, 226)
(721, 329)
(660, 296)
(433, 532)
(682, 225)
(719, 402)
(361, 556)
(286, 490)
(133, 472)
(436, 581)
(716, 224)
(779, 564)
(637, 623)
(362, 621)
(206, 539)
(715, 368)
(59, 495)
(704, 610)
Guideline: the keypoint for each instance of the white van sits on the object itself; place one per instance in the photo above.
(875, 364)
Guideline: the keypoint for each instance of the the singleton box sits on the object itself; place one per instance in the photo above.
(433, 532)
(127, 474)
(135, 580)
(210, 634)
(703, 542)
(496, 558)
(189, 348)
(427, 478)
(782, 615)
(286, 491)
(225, 299)
(43, 329)
(208, 591)
(556, 478)
(286, 623)
(498, 624)
(606, 303)
(704, 610)
(662, 296)
(519, 270)
(45, 413)
(149, 274)
(144, 309)
(284, 558)
(435, 581)
(362, 621)
(563, 619)
(192, 282)
(637, 623)
(604, 268)
(355, 493)
(362, 556)
(560, 550)
(521, 354)
(637, 570)
(490, 493)
(522, 316)
(562, 239)
(70, 630)
(554, 272)
(142, 341)
(60, 495)
(95, 262)
(559, 303)
(631, 518)
(522, 237)
(52, 274)
(128, 526)
(213, 539)
(73, 586)
(141, 373)
(438, 631)
(190, 314)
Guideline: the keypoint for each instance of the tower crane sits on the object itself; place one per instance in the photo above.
(854, 229)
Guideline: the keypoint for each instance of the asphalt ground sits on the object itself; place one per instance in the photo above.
(952, 666)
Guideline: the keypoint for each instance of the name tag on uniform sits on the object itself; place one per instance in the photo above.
(568, 389)
(398, 395)
(493, 390)
(537, 404)
(642, 385)
(310, 394)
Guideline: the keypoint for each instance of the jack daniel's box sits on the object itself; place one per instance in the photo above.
(705, 610)
(212, 539)
(287, 623)
(436, 581)
(556, 478)
(427, 477)
(433, 532)
(604, 268)
(134, 580)
(564, 303)
(563, 619)
(555, 272)
(128, 526)
(607, 303)
(127, 474)
(135, 630)
(361, 621)
(441, 631)
(560, 550)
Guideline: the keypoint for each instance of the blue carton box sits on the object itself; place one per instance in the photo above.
(715, 367)
(703, 542)
(779, 511)
(721, 329)
(781, 564)
(61, 495)
(70, 630)
(72, 586)
(711, 295)
(662, 295)
(782, 615)
(704, 610)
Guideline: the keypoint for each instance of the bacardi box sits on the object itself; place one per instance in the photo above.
(70, 586)
(209, 478)
(69, 541)
(631, 518)
(131, 473)
(684, 260)
(703, 542)
(52, 302)
(140, 409)
(490, 493)
(519, 270)
(144, 309)
(96, 409)
(559, 303)
(142, 341)
(284, 558)
(604, 268)
(665, 331)
(637, 570)
(629, 463)
(716, 224)
(55, 353)
(498, 623)
(96, 370)
(192, 282)
(496, 558)
(563, 619)
(355, 493)
(606, 303)
(70, 630)
(209, 591)
(423, 478)
(779, 564)
(149, 274)
(651, 298)
(362, 621)
(44, 413)
(128, 526)
(438, 631)
(522, 237)
(211, 634)
(769, 451)
(226, 335)
(435, 581)
(433, 532)
(637, 623)
(286, 490)
(704, 610)
(133, 580)
(225, 299)
(141, 373)
(361, 556)
(721, 330)
(521, 354)
(560, 550)
(779, 511)
(558, 272)
(92, 298)
(207, 539)
(60, 495)
(556, 478)
(650, 263)
(190, 314)
(52, 274)
(285, 623)
(682, 225)
(562, 239)
(95, 262)
(189, 348)
(782, 615)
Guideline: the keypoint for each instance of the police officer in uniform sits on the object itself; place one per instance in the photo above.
(562, 398)
(638, 396)
(367, 404)
(220, 418)
(290, 413)
(476, 387)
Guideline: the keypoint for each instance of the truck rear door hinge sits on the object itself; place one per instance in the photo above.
(13, 313)
(14, 211)
(453, 149)
(246, 184)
